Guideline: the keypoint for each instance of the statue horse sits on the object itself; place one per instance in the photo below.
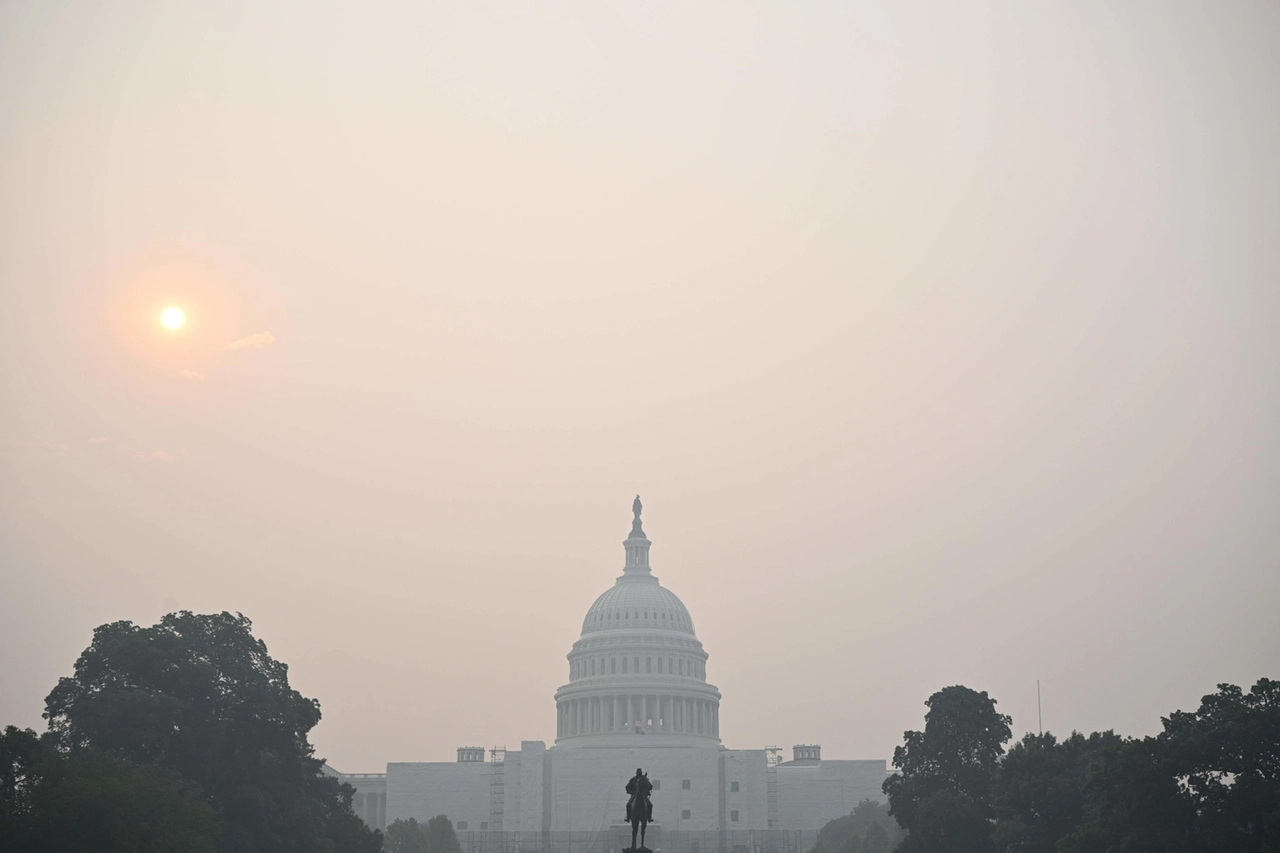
(639, 813)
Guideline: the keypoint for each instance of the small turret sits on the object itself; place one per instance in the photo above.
(467, 754)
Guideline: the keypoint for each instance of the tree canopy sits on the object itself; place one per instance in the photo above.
(1040, 788)
(200, 696)
(55, 802)
(1208, 783)
(405, 836)
(867, 829)
(943, 792)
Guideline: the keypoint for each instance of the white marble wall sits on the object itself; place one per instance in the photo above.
(580, 790)
(810, 794)
(589, 782)
(424, 790)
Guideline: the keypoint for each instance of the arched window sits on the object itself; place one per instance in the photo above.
(613, 665)
(625, 615)
(659, 666)
(648, 664)
(671, 665)
(624, 664)
(637, 663)
(593, 666)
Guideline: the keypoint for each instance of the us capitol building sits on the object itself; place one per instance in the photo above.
(637, 696)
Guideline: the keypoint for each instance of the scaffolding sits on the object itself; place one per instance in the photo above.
(497, 786)
(772, 758)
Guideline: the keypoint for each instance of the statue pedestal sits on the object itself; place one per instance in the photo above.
(652, 834)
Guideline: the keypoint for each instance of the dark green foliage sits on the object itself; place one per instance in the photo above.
(200, 696)
(434, 836)
(876, 839)
(440, 835)
(88, 801)
(1039, 792)
(1227, 755)
(849, 834)
(1209, 782)
(943, 793)
(1132, 804)
(405, 836)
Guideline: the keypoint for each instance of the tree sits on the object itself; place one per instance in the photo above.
(875, 839)
(68, 803)
(943, 792)
(1209, 783)
(1132, 804)
(1040, 789)
(405, 836)
(200, 696)
(440, 835)
(1226, 757)
(848, 834)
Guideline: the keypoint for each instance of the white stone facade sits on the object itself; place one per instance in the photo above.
(637, 696)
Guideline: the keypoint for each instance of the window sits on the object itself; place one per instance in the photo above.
(637, 664)
(593, 666)
(733, 787)
(659, 665)
(684, 783)
(624, 664)
(648, 664)
(613, 665)
(462, 824)
(685, 814)
(733, 815)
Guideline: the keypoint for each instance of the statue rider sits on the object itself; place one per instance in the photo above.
(639, 787)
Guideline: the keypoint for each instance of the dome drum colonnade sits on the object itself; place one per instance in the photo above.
(638, 667)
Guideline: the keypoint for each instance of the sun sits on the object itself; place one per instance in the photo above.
(173, 317)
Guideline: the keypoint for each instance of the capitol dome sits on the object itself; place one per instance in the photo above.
(629, 604)
(637, 675)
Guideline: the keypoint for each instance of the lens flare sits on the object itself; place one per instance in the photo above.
(173, 317)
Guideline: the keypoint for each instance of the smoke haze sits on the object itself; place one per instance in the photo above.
(940, 342)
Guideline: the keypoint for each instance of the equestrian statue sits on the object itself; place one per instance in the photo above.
(639, 807)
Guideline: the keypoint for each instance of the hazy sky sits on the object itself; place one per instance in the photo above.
(942, 341)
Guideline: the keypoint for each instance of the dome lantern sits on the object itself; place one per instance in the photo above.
(637, 544)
